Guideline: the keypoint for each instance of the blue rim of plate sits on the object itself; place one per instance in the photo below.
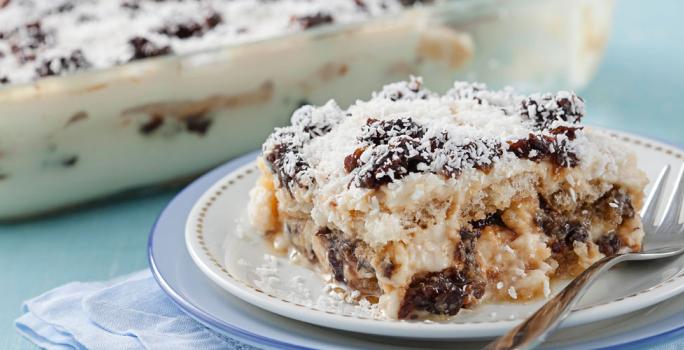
(186, 306)
(241, 334)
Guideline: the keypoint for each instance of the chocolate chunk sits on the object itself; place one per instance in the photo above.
(315, 20)
(62, 65)
(144, 48)
(609, 245)
(4, 80)
(442, 293)
(545, 109)
(154, 123)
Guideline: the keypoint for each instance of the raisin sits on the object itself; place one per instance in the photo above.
(545, 109)
(361, 5)
(467, 91)
(543, 147)
(25, 41)
(343, 253)
(316, 121)
(562, 230)
(400, 158)
(351, 161)
(575, 231)
(609, 245)
(466, 250)
(61, 65)
(315, 20)
(404, 90)
(287, 163)
(442, 293)
(182, 30)
(198, 124)
(388, 267)
(491, 219)
(144, 48)
(191, 29)
(409, 3)
(569, 131)
(65, 7)
(616, 205)
(213, 20)
(152, 125)
(133, 5)
(70, 161)
(379, 132)
(479, 154)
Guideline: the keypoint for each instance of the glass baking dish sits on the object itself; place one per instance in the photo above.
(66, 140)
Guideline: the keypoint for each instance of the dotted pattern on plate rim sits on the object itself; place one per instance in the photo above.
(233, 180)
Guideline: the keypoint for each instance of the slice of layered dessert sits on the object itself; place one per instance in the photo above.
(435, 203)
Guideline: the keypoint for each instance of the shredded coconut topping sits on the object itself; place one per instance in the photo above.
(404, 90)
(41, 38)
(406, 129)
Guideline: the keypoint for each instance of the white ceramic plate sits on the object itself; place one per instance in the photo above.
(201, 298)
(224, 249)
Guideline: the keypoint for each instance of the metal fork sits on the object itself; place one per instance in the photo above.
(666, 239)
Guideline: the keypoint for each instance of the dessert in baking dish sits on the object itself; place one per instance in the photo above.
(72, 130)
(436, 202)
(48, 38)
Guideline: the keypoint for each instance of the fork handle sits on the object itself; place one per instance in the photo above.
(535, 329)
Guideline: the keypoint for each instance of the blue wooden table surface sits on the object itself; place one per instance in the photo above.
(639, 88)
